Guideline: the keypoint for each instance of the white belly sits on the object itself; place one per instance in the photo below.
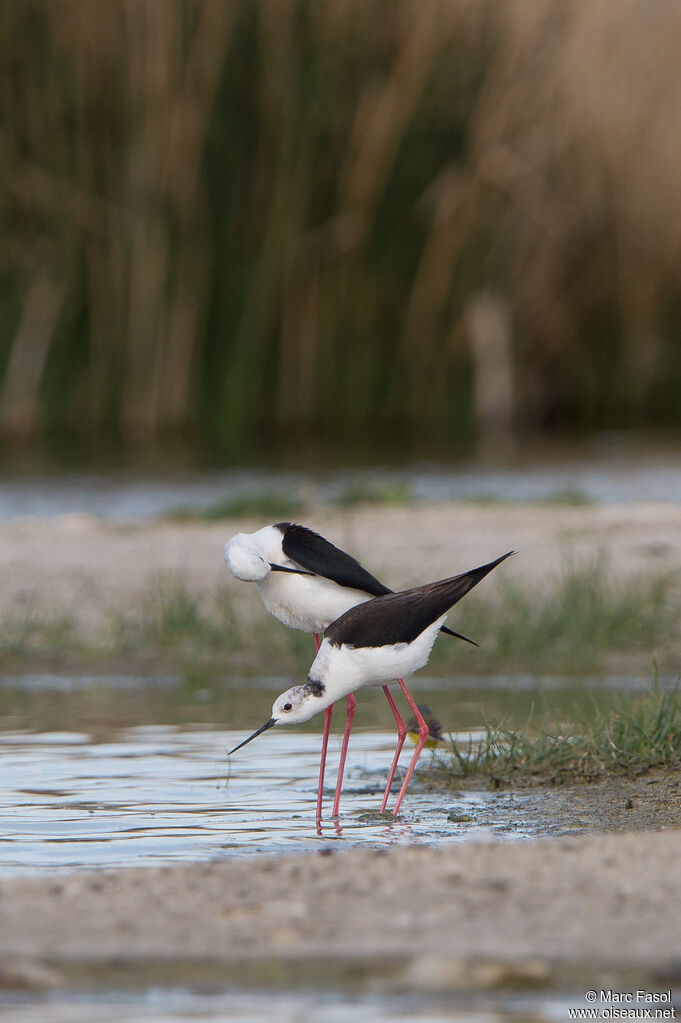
(345, 669)
(306, 602)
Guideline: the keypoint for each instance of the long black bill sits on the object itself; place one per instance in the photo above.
(285, 568)
(268, 724)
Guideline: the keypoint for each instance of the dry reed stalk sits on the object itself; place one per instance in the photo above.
(273, 216)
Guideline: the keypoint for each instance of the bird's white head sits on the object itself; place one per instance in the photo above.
(245, 559)
(297, 704)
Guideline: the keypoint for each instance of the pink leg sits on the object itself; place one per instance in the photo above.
(325, 742)
(401, 736)
(349, 715)
(322, 760)
(423, 735)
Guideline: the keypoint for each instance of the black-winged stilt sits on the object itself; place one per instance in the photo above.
(306, 582)
(376, 643)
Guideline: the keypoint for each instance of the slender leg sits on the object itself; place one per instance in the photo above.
(325, 742)
(351, 703)
(423, 735)
(401, 736)
(322, 760)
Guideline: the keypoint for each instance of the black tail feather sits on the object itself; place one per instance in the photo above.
(450, 632)
(401, 617)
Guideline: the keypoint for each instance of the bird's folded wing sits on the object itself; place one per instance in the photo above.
(401, 617)
(318, 555)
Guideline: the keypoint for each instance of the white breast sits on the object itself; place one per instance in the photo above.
(346, 668)
(307, 602)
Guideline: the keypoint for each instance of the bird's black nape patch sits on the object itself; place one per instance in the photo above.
(312, 688)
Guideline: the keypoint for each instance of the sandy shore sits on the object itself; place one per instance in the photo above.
(85, 566)
(600, 909)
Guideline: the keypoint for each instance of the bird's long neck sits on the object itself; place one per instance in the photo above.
(329, 673)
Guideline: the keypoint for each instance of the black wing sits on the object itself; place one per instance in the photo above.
(313, 552)
(401, 617)
(321, 557)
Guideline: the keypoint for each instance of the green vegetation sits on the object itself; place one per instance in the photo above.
(632, 737)
(202, 631)
(30, 635)
(279, 505)
(570, 496)
(379, 492)
(273, 505)
(269, 505)
(227, 221)
(579, 624)
(579, 619)
(483, 497)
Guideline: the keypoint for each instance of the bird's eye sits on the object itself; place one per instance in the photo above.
(288, 706)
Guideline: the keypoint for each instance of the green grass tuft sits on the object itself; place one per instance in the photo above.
(572, 496)
(574, 626)
(268, 505)
(630, 738)
(482, 497)
(394, 492)
(20, 638)
(582, 617)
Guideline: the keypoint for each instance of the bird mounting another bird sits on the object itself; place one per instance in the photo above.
(377, 642)
(306, 583)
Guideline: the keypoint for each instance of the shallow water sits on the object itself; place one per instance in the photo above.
(107, 771)
(181, 1006)
(99, 706)
(161, 795)
(609, 473)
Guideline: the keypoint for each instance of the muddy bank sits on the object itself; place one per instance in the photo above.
(649, 801)
(548, 913)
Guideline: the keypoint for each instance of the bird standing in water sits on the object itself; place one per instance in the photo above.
(376, 643)
(306, 583)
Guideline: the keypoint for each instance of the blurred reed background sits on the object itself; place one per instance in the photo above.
(227, 220)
